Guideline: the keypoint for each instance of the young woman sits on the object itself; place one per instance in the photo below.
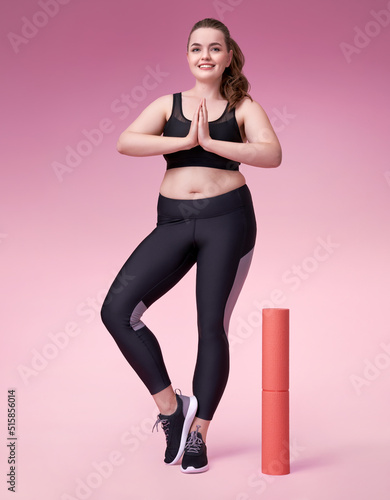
(204, 217)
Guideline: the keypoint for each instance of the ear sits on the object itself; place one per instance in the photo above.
(230, 57)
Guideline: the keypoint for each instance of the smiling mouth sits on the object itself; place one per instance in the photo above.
(206, 66)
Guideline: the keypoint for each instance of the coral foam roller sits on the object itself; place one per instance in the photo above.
(275, 448)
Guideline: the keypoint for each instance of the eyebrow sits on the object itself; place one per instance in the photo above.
(214, 43)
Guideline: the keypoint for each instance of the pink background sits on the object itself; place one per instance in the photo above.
(62, 242)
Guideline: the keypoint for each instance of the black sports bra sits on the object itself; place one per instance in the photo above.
(223, 129)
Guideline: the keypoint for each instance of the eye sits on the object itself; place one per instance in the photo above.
(195, 49)
(216, 48)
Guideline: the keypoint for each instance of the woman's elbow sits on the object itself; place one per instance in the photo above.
(271, 160)
(125, 145)
(120, 145)
(277, 160)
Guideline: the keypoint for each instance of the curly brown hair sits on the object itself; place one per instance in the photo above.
(234, 84)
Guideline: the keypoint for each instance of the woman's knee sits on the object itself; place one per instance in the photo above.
(113, 308)
(115, 313)
(210, 323)
(107, 312)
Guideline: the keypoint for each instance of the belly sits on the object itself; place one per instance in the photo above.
(199, 182)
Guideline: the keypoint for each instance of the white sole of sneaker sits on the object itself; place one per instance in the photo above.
(192, 470)
(192, 407)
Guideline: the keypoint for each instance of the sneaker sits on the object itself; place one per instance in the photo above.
(195, 454)
(176, 427)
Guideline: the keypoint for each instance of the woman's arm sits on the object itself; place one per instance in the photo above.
(262, 149)
(143, 137)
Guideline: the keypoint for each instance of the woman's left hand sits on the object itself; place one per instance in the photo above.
(203, 126)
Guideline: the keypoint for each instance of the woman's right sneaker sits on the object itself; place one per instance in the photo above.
(195, 454)
(176, 427)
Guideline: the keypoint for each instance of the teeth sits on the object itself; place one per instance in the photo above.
(206, 66)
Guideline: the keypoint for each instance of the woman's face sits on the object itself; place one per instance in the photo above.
(207, 54)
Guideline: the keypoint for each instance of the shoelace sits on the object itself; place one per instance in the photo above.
(194, 442)
(164, 424)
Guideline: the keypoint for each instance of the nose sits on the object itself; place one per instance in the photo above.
(205, 54)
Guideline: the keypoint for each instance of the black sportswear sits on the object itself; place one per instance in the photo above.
(218, 234)
(225, 128)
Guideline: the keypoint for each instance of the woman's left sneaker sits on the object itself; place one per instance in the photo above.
(195, 454)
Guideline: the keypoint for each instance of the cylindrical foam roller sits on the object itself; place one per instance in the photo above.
(275, 347)
(275, 395)
(275, 456)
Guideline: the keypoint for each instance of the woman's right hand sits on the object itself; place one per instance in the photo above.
(192, 136)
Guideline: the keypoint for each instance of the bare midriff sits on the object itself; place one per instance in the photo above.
(189, 183)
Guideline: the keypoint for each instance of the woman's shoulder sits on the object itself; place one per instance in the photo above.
(247, 103)
(165, 98)
(247, 106)
(163, 105)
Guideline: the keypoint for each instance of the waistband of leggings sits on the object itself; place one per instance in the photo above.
(203, 208)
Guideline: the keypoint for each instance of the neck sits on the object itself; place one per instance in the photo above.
(208, 90)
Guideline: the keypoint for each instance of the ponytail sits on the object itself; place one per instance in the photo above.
(234, 84)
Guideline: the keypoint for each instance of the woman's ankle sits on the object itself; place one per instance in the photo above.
(202, 426)
(166, 401)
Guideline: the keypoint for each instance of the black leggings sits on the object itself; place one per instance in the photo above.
(218, 234)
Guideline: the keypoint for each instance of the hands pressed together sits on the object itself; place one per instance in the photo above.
(199, 133)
